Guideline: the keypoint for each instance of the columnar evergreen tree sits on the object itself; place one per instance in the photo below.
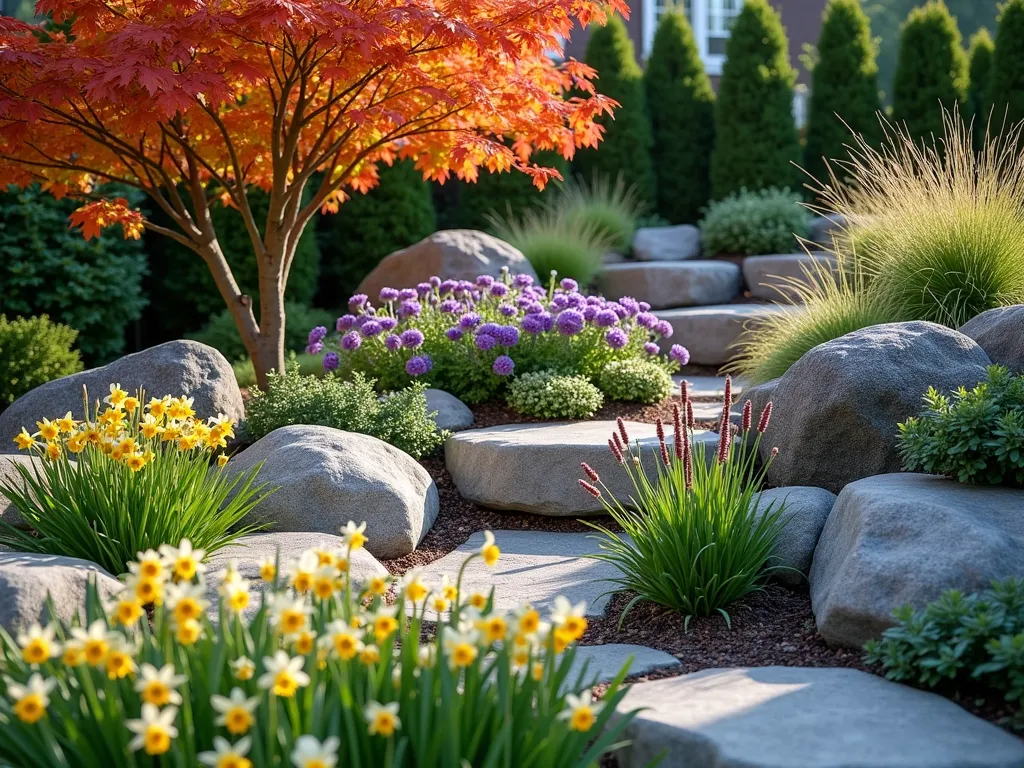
(1006, 84)
(844, 91)
(980, 68)
(682, 108)
(931, 71)
(626, 148)
(756, 141)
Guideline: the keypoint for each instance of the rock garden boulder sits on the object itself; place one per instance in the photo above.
(906, 538)
(26, 579)
(806, 509)
(823, 227)
(771, 277)
(794, 717)
(709, 333)
(9, 474)
(451, 413)
(451, 254)
(325, 477)
(1000, 332)
(666, 243)
(178, 368)
(836, 409)
(673, 284)
(535, 467)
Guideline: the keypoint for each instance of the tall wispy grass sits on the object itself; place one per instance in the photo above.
(610, 207)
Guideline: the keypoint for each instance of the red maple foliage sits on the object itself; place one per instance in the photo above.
(194, 101)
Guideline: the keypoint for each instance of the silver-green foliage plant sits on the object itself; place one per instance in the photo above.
(977, 436)
(694, 537)
(753, 222)
(399, 417)
(551, 395)
(641, 381)
(973, 641)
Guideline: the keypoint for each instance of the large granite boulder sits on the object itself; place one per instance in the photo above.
(837, 408)
(10, 475)
(451, 254)
(325, 477)
(27, 579)
(905, 538)
(1000, 332)
(805, 511)
(667, 243)
(178, 368)
(795, 717)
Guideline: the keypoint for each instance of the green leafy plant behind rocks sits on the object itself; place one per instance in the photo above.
(552, 395)
(748, 223)
(33, 351)
(975, 436)
(399, 417)
(640, 381)
(960, 642)
(693, 536)
(1006, 82)
(221, 333)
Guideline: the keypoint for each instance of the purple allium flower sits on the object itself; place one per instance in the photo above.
(358, 300)
(469, 321)
(315, 348)
(568, 284)
(651, 348)
(507, 335)
(535, 308)
(351, 341)
(663, 327)
(453, 334)
(447, 286)
(435, 281)
(503, 365)
(388, 323)
(489, 328)
(569, 322)
(371, 328)
(422, 289)
(646, 320)
(548, 319)
(632, 305)
(507, 310)
(388, 294)
(418, 365)
(412, 338)
(407, 293)
(680, 354)
(620, 311)
(645, 307)
(485, 341)
(317, 334)
(331, 361)
(560, 301)
(522, 281)
(590, 312)
(576, 300)
(595, 300)
(499, 289)
(485, 281)
(533, 324)
(616, 338)
(368, 310)
(450, 306)
(409, 308)
(606, 318)
(344, 323)
(393, 342)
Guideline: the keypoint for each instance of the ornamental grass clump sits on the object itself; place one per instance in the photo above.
(470, 338)
(325, 672)
(694, 537)
(130, 478)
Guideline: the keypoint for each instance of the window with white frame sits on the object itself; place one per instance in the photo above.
(711, 21)
(721, 14)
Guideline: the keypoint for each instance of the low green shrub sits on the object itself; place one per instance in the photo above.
(140, 479)
(221, 333)
(610, 209)
(399, 418)
(551, 395)
(640, 381)
(749, 223)
(33, 351)
(695, 539)
(977, 436)
(245, 373)
(960, 641)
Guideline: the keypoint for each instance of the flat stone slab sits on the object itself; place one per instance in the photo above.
(536, 467)
(535, 567)
(771, 277)
(794, 717)
(709, 332)
(673, 284)
(604, 662)
(675, 243)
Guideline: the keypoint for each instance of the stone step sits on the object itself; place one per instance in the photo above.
(536, 467)
(675, 243)
(771, 277)
(604, 662)
(796, 717)
(672, 283)
(709, 332)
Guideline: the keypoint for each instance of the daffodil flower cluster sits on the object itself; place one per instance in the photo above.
(301, 663)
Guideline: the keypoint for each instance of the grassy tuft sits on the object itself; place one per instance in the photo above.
(611, 209)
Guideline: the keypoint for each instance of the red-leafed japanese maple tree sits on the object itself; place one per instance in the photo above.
(194, 101)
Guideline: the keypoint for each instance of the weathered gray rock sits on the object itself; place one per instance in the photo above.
(26, 579)
(672, 284)
(604, 662)
(666, 243)
(535, 467)
(709, 333)
(805, 509)
(793, 717)
(325, 477)
(836, 409)
(452, 413)
(535, 567)
(451, 254)
(772, 277)
(178, 368)
(1000, 332)
(9, 475)
(822, 228)
(905, 538)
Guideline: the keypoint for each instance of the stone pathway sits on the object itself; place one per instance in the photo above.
(604, 662)
(795, 717)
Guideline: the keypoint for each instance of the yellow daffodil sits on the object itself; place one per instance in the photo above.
(186, 600)
(37, 645)
(149, 426)
(183, 561)
(148, 591)
(24, 440)
(382, 718)
(235, 711)
(116, 397)
(354, 535)
(300, 574)
(384, 623)
(157, 407)
(377, 585)
(494, 628)
(72, 654)
(188, 632)
(345, 643)
(48, 430)
(157, 686)
(284, 675)
(303, 642)
(460, 647)
(222, 460)
(369, 655)
(310, 753)
(412, 586)
(528, 619)
(66, 423)
(268, 569)
(181, 408)
(154, 731)
(227, 755)
(243, 668)
(53, 451)
(580, 711)
(290, 614)
(569, 617)
(324, 579)
(489, 551)
(32, 699)
(130, 404)
(120, 658)
(127, 610)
